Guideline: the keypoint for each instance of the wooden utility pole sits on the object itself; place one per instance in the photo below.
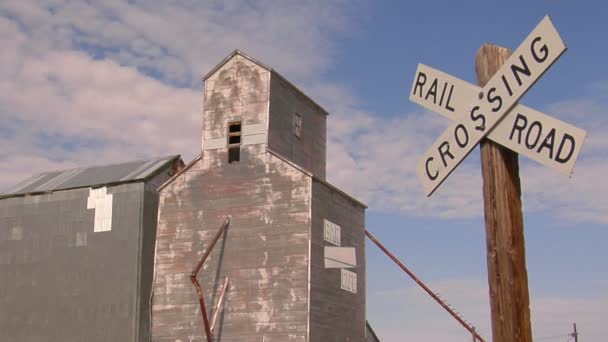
(575, 333)
(507, 274)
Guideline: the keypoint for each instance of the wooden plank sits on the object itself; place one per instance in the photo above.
(507, 275)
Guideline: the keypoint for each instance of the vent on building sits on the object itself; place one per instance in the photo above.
(297, 125)
(234, 141)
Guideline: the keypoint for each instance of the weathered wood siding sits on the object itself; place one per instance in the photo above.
(238, 91)
(309, 150)
(274, 263)
(336, 315)
(264, 251)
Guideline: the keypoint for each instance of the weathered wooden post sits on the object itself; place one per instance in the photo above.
(507, 274)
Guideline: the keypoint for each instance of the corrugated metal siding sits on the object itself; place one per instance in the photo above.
(309, 150)
(336, 315)
(59, 280)
(62, 281)
(89, 176)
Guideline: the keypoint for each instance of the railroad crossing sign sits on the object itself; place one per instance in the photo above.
(493, 111)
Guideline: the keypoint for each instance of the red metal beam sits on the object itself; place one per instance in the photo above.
(197, 285)
(424, 287)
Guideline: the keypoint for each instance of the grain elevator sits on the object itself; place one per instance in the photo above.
(293, 253)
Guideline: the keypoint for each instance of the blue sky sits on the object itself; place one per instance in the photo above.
(84, 84)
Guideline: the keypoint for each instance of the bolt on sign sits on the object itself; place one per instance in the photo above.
(493, 112)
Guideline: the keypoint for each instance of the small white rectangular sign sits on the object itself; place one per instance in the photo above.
(531, 59)
(101, 202)
(340, 257)
(331, 232)
(549, 141)
(348, 281)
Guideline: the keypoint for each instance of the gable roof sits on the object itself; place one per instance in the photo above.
(229, 57)
(265, 67)
(91, 176)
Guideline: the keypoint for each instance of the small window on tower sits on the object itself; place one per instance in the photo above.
(297, 125)
(234, 141)
(234, 154)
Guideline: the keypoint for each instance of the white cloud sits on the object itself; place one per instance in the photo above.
(92, 82)
(421, 318)
(86, 83)
(375, 159)
(182, 40)
(61, 108)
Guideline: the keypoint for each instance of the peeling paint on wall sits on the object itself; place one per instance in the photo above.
(264, 252)
(16, 233)
(213, 144)
(254, 139)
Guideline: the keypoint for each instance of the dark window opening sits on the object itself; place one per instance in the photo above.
(234, 154)
(234, 127)
(234, 141)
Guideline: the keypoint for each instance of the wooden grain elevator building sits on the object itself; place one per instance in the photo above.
(294, 251)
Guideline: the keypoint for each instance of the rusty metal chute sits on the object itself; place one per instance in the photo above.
(199, 291)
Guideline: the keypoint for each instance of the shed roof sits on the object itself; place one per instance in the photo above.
(90, 176)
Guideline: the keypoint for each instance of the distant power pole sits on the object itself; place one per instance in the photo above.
(575, 333)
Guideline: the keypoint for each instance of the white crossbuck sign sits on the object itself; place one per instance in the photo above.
(493, 111)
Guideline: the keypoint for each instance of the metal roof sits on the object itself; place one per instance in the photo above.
(90, 176)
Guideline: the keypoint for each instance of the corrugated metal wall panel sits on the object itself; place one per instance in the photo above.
(60, 280)
(90, 176)
(336, 314)
(308, 150)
